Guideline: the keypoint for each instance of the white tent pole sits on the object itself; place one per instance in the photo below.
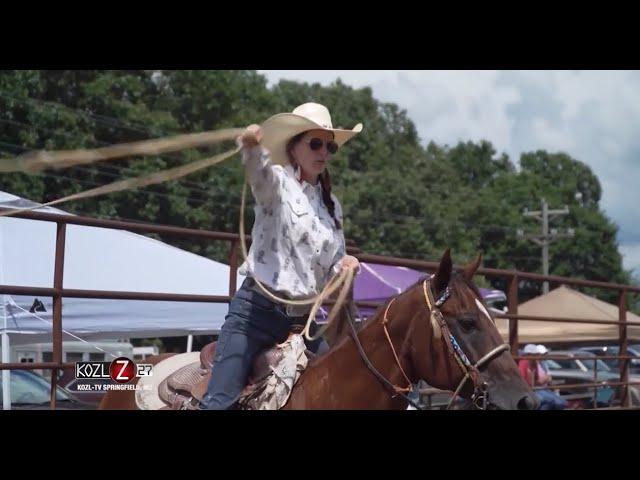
(6, 358)
(6, 347)
(6, 374)
(189, 343)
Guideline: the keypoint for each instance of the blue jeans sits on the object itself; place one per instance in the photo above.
(254, 323)
(550, 400)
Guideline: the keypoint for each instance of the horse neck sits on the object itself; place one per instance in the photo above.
(341, 380)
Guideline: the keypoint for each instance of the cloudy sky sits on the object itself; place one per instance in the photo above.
(592, 115)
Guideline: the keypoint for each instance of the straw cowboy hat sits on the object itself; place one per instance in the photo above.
(280, 128)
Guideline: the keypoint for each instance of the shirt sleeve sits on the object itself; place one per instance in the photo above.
(342, 249)
(262, 175)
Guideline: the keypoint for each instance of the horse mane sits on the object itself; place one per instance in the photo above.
(457, 279)
(378, 312)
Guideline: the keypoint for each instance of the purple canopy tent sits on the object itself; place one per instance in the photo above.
(378, 283)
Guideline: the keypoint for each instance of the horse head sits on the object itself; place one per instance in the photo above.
(455, 345)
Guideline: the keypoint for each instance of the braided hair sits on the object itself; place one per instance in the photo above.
(325, 181)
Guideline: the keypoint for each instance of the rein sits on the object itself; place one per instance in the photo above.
(480, 396)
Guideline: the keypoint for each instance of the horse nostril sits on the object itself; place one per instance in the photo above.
(527, 403)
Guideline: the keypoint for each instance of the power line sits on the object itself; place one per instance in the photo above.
(400, 218)
(89, 183)
(235, 206)
(104, 119)
(116, 123)
(115, 176)
(113, 122)
(195, 186)
(433, 226)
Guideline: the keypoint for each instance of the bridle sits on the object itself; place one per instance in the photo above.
(480, 396)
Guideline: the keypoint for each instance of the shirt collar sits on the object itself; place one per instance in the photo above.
(297, 174)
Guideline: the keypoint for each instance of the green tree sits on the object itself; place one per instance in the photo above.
(399, 197)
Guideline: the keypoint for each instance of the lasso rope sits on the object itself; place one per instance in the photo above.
(131, 183)
(344, 278)
(33, 162)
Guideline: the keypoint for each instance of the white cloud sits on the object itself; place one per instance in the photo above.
(445, 106)
(631, 256)
(554, 138)
(592, 115)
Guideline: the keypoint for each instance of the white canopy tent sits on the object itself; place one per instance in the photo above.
(102, 259)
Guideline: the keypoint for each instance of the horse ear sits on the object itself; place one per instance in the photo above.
(443, 275)
(469, 270)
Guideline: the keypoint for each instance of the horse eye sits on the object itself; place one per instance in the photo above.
(467, 323)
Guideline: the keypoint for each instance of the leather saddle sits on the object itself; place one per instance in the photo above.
(185, 388)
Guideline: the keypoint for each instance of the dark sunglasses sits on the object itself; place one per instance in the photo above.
(317, 143)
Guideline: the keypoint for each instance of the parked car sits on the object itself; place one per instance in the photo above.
(574, 371)
(68, 381)
(614, 364)
(571, 363)
(496, 300)
(30, 391)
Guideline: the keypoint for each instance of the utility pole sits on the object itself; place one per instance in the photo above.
(545, 239)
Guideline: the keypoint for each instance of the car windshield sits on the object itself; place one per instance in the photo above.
(553, 364)
(591, 364)
(635, 351)
(632, 350)
(562, 363)
(497, 303)
(31, 388)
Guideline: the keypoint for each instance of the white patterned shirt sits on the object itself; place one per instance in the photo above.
(295, 245)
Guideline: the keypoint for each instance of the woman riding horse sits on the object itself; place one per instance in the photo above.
(439, 331)
(297, 240)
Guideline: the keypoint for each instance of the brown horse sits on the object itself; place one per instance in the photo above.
(438, 330)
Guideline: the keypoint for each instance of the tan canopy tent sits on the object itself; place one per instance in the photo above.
(563, 302)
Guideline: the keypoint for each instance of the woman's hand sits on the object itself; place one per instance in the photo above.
(251, 137)
(349, 261)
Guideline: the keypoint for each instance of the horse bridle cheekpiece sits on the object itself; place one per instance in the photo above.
(480, 396)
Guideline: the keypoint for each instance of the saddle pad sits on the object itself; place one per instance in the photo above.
(273, 391)
(147, 397)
